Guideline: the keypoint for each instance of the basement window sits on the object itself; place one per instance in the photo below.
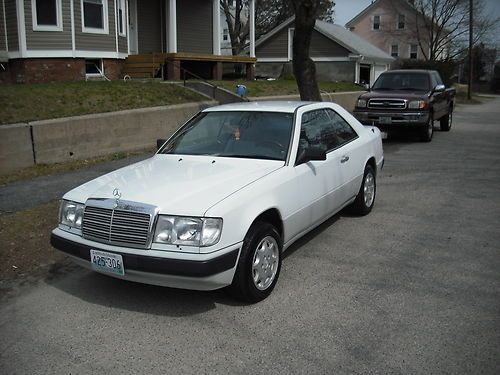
(95, 16)
(46, 15)
(94, 67)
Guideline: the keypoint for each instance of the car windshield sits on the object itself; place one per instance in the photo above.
(241, 134)
(402, 81)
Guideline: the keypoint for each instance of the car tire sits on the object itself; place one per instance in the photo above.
(427, 131)
(446, 121)
(259, 264)
(365, 199)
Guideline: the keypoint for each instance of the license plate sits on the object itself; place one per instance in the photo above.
(384, 135)
(385, 120)
(107, 262)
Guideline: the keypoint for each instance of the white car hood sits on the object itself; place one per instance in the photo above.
(177, 184)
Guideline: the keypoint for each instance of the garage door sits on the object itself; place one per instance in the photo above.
(377, 70)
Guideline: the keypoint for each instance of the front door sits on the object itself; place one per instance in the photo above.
(132, 27)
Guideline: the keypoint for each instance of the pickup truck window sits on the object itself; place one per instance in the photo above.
(250, 134)
(402, 81)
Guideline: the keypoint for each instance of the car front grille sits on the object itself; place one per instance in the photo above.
(116, 226)
(387, 103)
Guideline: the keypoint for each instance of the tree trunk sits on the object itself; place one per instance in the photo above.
(303, 67)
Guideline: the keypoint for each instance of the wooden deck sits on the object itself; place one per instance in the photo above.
(149, 65)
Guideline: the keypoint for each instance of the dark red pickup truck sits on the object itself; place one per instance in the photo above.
(407, 99)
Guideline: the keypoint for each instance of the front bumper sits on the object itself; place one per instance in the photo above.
(392, 120)
(200, 272)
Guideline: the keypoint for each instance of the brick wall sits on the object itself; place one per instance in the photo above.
(50, 70)
(113, 68)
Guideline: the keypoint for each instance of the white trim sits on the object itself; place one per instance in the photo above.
(105, 20)
(128, 25)
(59, 18)
(291, 30)
(172, 26)
(21, 27)
(252, 28)
(316, 59)
(216, 27)
(122, 3)
(73, 43)
(5, 28)
(357, 72)
(69, 54)
(116, 26)
(14, 55)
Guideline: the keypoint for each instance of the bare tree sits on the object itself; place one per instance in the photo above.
(306, 12)
(441, 27)
(268, 15)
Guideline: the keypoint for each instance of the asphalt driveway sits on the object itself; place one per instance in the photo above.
(412, 288)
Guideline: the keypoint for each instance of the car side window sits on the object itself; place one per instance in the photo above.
(433, 80)
(437, 77)
(343, 131)
(317, 131)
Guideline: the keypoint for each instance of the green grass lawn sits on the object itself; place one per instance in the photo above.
(21, 103)
(283, 87)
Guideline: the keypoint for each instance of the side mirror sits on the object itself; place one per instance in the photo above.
(310, 154)
(439, 88)
(159, 143)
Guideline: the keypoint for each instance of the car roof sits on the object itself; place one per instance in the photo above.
(411, 71)
(265, 106)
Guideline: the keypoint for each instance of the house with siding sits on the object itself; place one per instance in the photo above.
(47, 40)
(339, 55)
(394, 26)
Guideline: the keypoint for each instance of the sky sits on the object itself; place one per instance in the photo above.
(345, 10)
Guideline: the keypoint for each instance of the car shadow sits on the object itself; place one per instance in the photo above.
(99, 289)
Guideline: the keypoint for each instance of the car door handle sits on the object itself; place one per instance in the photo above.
(344, 159)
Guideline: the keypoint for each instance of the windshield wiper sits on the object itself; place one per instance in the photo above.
(412, 89)
(383, 88)
(250, 156)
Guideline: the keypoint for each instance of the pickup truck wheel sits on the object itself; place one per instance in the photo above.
(259, 264)
(445, 122)
(428, 131)
(365, 199)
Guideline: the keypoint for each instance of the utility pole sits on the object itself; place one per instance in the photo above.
(471, 18)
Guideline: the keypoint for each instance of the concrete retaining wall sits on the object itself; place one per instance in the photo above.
(345, 99)
(16, 149)
(60, 140)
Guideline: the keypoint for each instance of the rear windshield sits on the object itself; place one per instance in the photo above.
(402, 81)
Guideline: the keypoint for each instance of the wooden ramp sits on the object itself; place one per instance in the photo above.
(144, 65)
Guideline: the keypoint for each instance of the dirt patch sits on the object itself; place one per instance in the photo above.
(25, 252)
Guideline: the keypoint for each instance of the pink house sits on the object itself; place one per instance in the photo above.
(391, 25)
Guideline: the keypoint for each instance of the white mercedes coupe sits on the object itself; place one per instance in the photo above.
(223, 197)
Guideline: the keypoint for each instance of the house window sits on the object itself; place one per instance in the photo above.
(121, 19)
(376, 22)
(395, 50)
(95, 16)
(225, 35)
(94, 67)
(413, 51)
(401, 21)
(47, 15)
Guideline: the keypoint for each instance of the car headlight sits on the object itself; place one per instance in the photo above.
(71, 214)
(192, 231)
(417, 104)
(361, 103)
